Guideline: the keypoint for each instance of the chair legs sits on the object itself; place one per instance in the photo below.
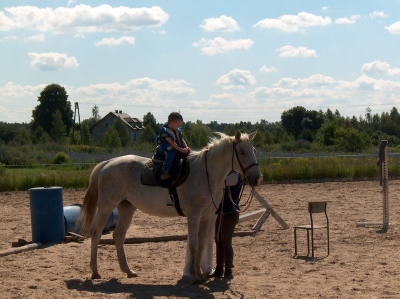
(308, 241)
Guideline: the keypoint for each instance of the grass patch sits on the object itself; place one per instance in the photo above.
(273, 170)
(65, 176)
(315, 168)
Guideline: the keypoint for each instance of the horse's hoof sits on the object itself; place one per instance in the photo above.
(131, 274)
(197, 281)
(96, 276)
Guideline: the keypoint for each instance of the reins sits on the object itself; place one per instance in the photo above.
(244, 169)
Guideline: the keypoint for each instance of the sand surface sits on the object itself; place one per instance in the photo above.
(364, 262)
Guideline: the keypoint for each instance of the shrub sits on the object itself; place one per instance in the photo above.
(61, 158)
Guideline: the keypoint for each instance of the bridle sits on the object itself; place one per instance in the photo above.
(244, 169)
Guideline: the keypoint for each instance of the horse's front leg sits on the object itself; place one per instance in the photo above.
(125, 211)
(100, 222)
(206, 234)
(194, 264)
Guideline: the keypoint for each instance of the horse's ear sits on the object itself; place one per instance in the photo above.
(238, 135)
(251, 135)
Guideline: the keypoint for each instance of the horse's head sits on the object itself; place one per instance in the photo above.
(244, 158)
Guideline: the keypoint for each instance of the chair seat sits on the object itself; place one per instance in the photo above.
(309, 226)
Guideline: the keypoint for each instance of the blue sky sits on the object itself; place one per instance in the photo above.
(224, 61)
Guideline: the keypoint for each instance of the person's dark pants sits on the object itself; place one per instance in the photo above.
(224, 229)
(170, 155)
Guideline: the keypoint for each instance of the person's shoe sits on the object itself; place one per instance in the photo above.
(228, 274)
(219, 272)
(165, 176)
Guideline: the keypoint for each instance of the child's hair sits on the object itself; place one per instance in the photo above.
(174, 116)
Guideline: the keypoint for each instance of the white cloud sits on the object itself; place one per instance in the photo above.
(37, 38)
(365, 83)
(79, 35)
(24, 38)
(314, 81)
(377, 15)
(236, 79)
(123, 40)
(325, 8)
(293, 23)
(394, 28)
(265, 69)
(347, 21)
(12, 90)
(141, 90)
(223, 23)
(379, 67)
(290, 51)
(220, 45)
(52, 61)
(81, 18)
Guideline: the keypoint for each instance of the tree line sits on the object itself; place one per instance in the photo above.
(299, 129)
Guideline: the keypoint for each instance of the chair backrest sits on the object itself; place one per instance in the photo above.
(317, 207)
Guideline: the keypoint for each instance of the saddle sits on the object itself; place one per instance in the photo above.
(151, 176)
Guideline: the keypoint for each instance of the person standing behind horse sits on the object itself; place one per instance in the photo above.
(227, 219)
(170, 142)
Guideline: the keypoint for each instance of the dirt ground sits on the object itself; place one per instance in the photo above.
(364, 262)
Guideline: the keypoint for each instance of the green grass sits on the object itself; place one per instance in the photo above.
(317, 168)
(24, 179)
(273, 170)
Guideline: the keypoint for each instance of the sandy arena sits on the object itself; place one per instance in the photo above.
(364, 262)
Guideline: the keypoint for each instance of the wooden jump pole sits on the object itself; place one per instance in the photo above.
(20, 249)
(268, 211)
(384, 182)
(139, 240)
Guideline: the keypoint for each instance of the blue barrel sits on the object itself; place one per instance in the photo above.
(112, 220)
(71, 214)
(46, 204)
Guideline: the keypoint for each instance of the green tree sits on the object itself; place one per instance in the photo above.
(53, 97)
(95, 113)
(198, 136)
(149, 119)
(299, 119)
(326, 134)
(148, 135)
(58, 128)
(86, 136)
(110, 138)
(123, 133)
(350, 140)
(259, 139)
(23, 136)
(292, 120)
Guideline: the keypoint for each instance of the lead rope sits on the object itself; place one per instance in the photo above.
(247, 203)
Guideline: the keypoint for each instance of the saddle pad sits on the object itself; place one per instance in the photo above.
(149, 173)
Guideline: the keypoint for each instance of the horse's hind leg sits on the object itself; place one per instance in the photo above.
(100, 222)
(125, 211)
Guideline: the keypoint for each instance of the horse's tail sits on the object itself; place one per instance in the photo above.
(86, 216)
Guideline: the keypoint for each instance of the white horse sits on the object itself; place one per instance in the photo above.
(117, 183)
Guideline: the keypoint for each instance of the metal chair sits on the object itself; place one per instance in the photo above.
(313, 208)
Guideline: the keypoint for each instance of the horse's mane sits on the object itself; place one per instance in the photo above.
(221, 142)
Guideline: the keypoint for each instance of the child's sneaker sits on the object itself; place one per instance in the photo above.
(165, 176)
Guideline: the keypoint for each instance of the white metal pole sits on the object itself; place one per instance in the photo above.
(385, 184)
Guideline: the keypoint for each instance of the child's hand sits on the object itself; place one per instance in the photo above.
(189, 149)
(184, 150)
